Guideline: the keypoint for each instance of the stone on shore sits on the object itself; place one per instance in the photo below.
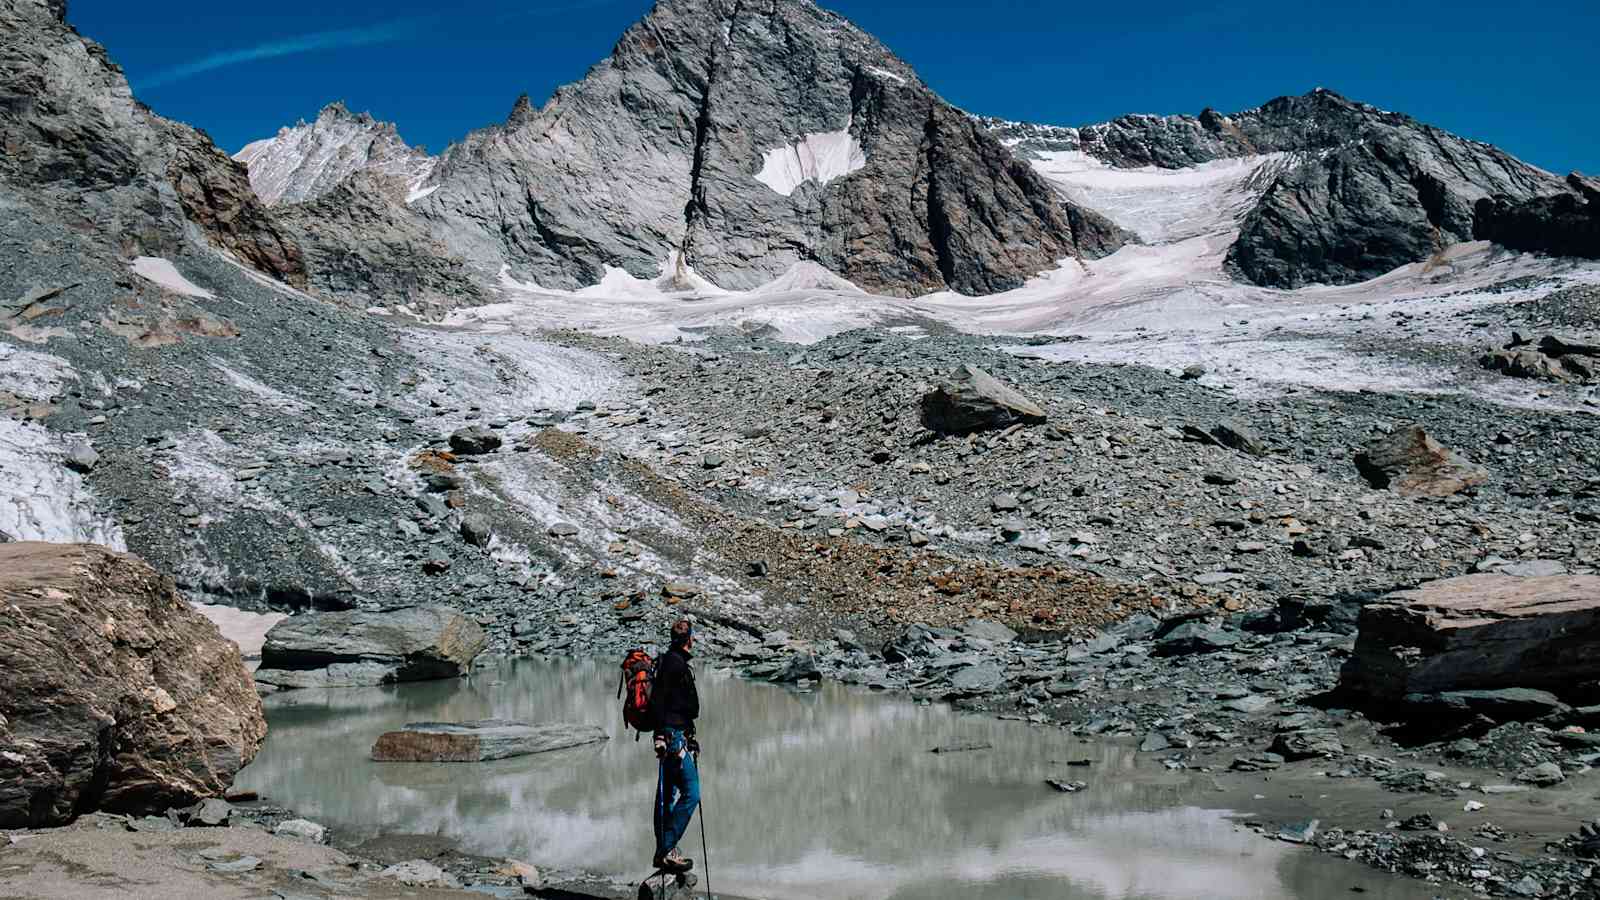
(1413, 464)
(973, 400)
(1479, 633)
(358, 648)
(114, 693)
(480, 741)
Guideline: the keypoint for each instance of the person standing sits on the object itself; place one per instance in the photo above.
(675, 703)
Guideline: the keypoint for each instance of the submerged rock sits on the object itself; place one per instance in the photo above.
(480, 741)
(114, 693)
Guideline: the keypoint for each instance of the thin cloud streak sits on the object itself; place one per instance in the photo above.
(340, 39)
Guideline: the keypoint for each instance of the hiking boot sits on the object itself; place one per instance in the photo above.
(674, 861)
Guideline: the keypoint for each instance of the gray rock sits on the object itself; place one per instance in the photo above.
(801, 667)
(1194, 637)
(1500, 706)
(1154, 742)
(213, 813)
(301, 829)
(982, 678)
(1545, 774)
(993, 632)
(408, 644)
(236, 867)
(1309, 743)
(973, 400)
(1250, 704)
(82, 458)
(1235, 435)
(474, 441)
(475, 530)
(480, 741)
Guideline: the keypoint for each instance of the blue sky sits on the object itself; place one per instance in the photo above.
(1522, 76)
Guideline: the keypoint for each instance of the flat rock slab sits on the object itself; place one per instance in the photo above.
(480, 741)
(1481, 632)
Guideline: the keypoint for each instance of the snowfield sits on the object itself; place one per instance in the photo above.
(819, 157)
(1166, 302)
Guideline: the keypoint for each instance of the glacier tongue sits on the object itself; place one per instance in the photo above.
(820, 157)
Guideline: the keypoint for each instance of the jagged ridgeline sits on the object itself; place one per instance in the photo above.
(726, 141)
(1363, 191)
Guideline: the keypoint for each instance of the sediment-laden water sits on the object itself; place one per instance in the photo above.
(832, 794)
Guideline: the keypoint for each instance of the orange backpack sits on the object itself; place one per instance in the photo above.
(638, 679)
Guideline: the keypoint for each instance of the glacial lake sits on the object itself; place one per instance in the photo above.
(827, 795)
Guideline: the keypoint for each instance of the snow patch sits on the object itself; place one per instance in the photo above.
(40, 498)
(163, 272)
(418, 193)
(820, 157)
(886, 75)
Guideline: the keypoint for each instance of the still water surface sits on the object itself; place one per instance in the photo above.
(831, 795)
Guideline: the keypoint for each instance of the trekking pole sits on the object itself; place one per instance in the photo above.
(705, 849)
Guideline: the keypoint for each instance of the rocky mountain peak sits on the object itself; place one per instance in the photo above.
(521, 112)
(741, 139)
(308, 161)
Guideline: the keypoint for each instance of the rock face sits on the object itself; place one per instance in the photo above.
(480, 741)
(1367, 190)
(350, 649)
(81, 152)
(1414, 464)
(364, 248)
(1479, 633)
(310, 161)
(738, 140)
(973, 400)
(1566, 224)
(114, 694)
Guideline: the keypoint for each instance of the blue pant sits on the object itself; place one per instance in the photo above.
(677, 792)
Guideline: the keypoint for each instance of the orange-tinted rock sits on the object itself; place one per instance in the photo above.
(114, 693)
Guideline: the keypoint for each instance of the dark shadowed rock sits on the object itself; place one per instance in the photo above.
(1196, 637)
(1498, 706)
(114, 693)
(973, 400)
(480, 741)
(1479, 633)
(475, 441)
(1411, 463)
(1563, 224)
(1235, 435)
(348, 649)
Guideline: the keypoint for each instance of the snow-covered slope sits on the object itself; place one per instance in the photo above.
(308, 161)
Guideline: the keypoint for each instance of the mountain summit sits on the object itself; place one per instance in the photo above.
(740, 138)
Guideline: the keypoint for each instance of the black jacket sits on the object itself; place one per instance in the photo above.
(673, 697)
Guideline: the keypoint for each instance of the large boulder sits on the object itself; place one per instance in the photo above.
(358, 648)
(973, 400)
(1479, 633)
(114, 693)
(480, 741)
(1411, 463)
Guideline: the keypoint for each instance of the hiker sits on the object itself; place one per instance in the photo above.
(675, 704)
